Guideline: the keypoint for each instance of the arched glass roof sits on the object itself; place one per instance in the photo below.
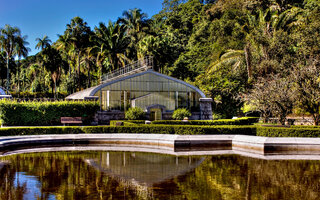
(2, 92)
(145, 89)
(147, 81)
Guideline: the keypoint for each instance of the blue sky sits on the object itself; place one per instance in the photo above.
(37, 18)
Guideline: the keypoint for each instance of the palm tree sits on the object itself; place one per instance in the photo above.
(235, 58)
(136, 23)
(63, 45)
(113, 41)
(8, 41)
(88, 60)
(79, 33)
(43, 43)
(21, 51)
(53, 63)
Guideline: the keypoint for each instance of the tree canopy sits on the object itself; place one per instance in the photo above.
(228, 48)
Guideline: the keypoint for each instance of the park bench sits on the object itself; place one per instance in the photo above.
(71, 120)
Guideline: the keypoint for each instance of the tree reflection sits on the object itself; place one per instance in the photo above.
(67, 175)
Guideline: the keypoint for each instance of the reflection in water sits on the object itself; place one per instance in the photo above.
(126, 175)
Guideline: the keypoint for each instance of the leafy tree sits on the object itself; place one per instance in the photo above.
(9, 38)
(265, 97)
(307, 88)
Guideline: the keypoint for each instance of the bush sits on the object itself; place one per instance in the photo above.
(135, 113)
(181, 113)
(288, 132)
(13, 113)
(39, 130)
(239, 121)
(36, 95)
(127, 122)
(159, 129)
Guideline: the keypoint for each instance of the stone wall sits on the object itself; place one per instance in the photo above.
(206, 108)
(104, 117)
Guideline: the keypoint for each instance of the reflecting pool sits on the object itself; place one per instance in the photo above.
(133, 175)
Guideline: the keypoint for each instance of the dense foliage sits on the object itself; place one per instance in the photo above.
(159, 129)
(135, 113)
(181, 113)
(236, 51)
(239, 121)
(168, 129)
(14, 113)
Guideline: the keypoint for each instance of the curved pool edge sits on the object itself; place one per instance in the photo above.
(180, 145)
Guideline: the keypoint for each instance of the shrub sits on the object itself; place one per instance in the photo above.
(239, 121)
(127, 122)
(13, 113)
(135, 113)
(288, 132)
(159, 129)
(181, 113)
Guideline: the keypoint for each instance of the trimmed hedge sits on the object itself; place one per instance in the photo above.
(35, 95)
(13, 113)
(159, 129)
(174, 129)
(127, 122)
(287, 132)
(239, 121)
(40, 130)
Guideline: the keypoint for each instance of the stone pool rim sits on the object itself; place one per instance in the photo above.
(253, 146)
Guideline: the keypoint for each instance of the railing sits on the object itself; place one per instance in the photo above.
(139, 65)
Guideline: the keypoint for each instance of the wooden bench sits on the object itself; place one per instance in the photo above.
(71, 120)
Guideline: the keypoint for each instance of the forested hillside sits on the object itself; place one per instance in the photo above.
(264, 54)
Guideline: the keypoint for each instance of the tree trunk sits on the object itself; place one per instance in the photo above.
(18, 77)
(247, 54)
(8, 75)
(316, 119)
(89, 76)
(79, 81)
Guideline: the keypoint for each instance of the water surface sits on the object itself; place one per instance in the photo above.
(128, 175)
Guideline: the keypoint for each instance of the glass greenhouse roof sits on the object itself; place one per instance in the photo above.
(145, 89)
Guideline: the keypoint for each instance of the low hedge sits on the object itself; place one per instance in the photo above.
(40, 130)
(159, 129)
(239, 121)
(167, 129)
(13, 113)
(127, 122)
(287, 132)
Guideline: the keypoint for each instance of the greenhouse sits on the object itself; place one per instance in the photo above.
(140, 86)
(3, 94)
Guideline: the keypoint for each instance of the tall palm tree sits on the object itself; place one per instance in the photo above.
(43, 43)
(136, 24)
(54, 64)
(88, 60)
(235, 58)
(113, 42)
(21, 51)
(79, 33)
(64, 45)
(8, 41)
